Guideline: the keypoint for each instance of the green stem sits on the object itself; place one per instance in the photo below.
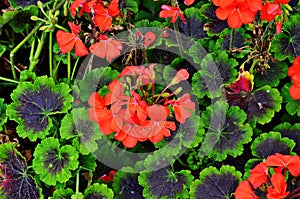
(9, 80)
(35, 60)
(13, 52)
(232, 39)
(77, 182)
(51, 54)
(55, 70)
(182, 163)
(253, 65)
(74, 69)
(62, 28)
(69, 68)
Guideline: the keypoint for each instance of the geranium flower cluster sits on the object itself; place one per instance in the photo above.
(102, 15)
(238, 12)
(136, 111)
(270, 176)
(294, 73)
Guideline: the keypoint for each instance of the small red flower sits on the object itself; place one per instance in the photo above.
(183, 108)
(108, 178)
(181, 75)
(188, 2)
(245, 191)
(270, 11)
(171, 12)
(109, 49)
(103, 17)
(66, 41)
(83, 4)
(237, 12)
(283, 162)
(279, 187)
(278, 27)
(158, 126)
(259, 175)
(150, 37)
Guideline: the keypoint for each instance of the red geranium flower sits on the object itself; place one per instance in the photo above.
(171, 12)
(181, 75)
(270, 11)
(259, 175)
(278, 27)
(188, 2)
(237, 12)
(283, 162)
(83, 4)
(294, 73)
(109, 177)
(66, 41)
(183, 107)
(158, 126)
(107, 48)
(103, 17)
(279, 187)
(245, 191)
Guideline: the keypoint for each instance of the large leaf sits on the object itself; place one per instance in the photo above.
(164, 183)
(35, 103)
(53, 163)
(291, 132)
(62, 194)
(270, 143)
(287, 43)
(98, 191)
(216, 184)
(226, 131)
(216, 69)
(15, 181)
(81, 129)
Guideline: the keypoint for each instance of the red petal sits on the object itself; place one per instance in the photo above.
(96, 100)
(295, 92)
(113, 8)
(80, 48)
(234, 20)
(150, 37)
(74, 28)
(294, 166)
(99, 49)
(223, 13)
(157, 113)
(244, 190)
(188, 2)
(129, 141)
(247, 16)
(65, 40)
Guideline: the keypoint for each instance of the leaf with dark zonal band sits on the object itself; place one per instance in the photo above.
(287, 43)
(164, 183)
(216, 69)
(227, 131)
(270, 143)
(215, 184)
(15, 181)
(127, 185)
(53, 163)
(291, 132)
(97, 79)
(35, 103)
(260, 105)
(98, 191)
(215, 25)
(84, 132)
(272, 75)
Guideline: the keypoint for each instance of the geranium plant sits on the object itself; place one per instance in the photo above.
(150, 99)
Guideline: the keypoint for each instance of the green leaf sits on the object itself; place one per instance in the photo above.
(216, 184)
(53, 162)
(164, 183)
(95, 80)
(27, 76)
(35, 103)
(270, 143)
(81, 129)
(287, 43)
(291, 132)
(16, 182)
(21, 20)
(98, 191)
(127, 186)
(292, 106)
(227, 131)
(7, 16)
(3, 116)
(216, 69)
(88, 162)
(132, 6)
(62, 194)
(272, 75)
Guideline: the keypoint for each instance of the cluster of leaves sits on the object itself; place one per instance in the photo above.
(248, 119)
